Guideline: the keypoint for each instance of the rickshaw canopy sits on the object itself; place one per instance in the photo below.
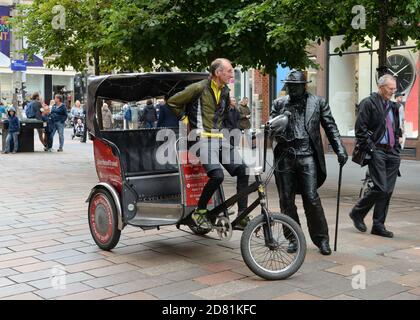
(135, 87)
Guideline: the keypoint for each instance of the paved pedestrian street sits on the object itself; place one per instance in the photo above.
(47, 252)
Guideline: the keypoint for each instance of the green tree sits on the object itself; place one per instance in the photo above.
(76, 40)
(286, 22)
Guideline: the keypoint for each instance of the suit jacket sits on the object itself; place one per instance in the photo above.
(318, 113)
(371, 123)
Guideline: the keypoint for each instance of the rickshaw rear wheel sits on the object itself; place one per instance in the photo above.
(103, 220)
(273, 261)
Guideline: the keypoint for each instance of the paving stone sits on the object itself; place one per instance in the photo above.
(34, 245)
(377, 276)
(96, 294)
(15, 289)
(137, 285)
(269, 290)
(5, 282)
(411, 279)
(404, 296)
(23, 296)
(57, 255)
(36, 266)
(186, 274)
(217, 278)
(61, 247)
(79, 258)
(52, 293)
(69, 278)
(17, 255)
(331, 288)
(343, 297)
(31, 276)
(174, 289)
(297, 295)
(378, 292)
(135, 296)
(223, 290)
(115, 279)
(167, 268)
(7, 272)
(17, 262)
(113, 269)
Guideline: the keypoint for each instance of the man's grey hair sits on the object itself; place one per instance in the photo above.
(217, 64)
(384, 80)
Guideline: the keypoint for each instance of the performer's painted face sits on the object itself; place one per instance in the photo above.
(295, 90)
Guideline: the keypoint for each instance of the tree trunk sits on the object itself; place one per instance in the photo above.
(383, 41)
(96, 61)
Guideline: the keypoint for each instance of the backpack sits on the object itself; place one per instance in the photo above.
(30, 111)
(127, 114)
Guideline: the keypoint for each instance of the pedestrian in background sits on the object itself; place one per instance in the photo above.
(167, 118)
(13, 133)
(377, 132)
(48, 126)
(107, 120)
(245, 121)
(33, 111)
(401, 111)
(59, 117)
(149, 114)
(231, 122)
(245, 112)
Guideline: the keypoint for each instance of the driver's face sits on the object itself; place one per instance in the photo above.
(225, 74)
(295, 90)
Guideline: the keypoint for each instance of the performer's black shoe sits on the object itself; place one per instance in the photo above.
(324, 248)
(293, 246)
(358, 222)
(382, 232)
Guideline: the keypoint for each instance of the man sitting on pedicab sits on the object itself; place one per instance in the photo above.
(203, 106)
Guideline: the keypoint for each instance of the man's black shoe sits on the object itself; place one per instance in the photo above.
(382, 232)
(324, 248)
(292, 248)
(358, 222)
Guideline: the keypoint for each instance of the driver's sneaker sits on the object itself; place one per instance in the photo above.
(199, 217)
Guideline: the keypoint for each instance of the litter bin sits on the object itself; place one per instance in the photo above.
(26, 136)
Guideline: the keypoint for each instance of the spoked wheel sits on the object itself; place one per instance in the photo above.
(103, 220)
(273, 261)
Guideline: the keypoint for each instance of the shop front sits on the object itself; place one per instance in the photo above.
(352, 76)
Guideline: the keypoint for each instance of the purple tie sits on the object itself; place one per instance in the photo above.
(390, 129)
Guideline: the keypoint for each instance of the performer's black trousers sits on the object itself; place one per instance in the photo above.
(300, 174)
(383, 169)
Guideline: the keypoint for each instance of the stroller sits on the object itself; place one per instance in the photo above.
(78, 127)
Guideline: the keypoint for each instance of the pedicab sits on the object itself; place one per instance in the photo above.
(137, 190)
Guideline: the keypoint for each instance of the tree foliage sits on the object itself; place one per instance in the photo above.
(130, 35)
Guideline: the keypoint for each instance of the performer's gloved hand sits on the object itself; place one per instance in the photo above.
(342, 158)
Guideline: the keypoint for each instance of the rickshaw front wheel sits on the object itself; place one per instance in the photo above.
(273, 260)
(103, 220)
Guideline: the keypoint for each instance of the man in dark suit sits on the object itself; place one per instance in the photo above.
(299, 155)
(377, 133)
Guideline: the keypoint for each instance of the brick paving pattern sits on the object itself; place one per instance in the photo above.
(44, 233)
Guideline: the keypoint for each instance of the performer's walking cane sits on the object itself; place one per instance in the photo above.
(338, 206)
